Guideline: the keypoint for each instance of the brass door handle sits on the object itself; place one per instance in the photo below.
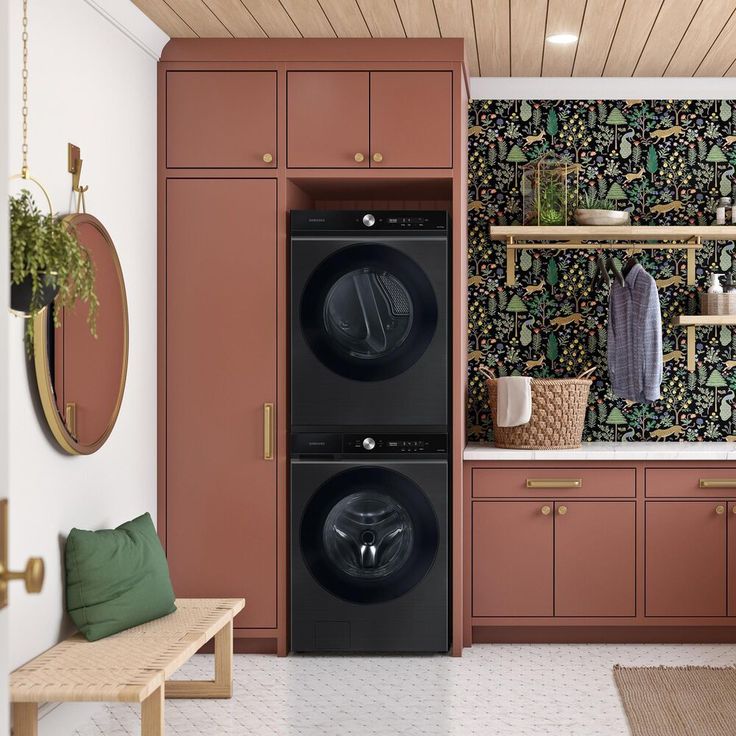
(359, 158)
(546, 510)
(268, 431)
(720, 509)
(562, 510)
(378, 157)
(554, 482)
(32, 576)
(717, 483)
(267, 158)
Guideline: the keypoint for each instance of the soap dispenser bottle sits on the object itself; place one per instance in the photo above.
(715, 284)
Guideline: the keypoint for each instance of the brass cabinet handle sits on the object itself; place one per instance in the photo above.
(546, 510)
(717, 483)
(720, 509)
(268, 431)
(359, 158)
(554, 482)
(32, 576)
(378, 157)
(733, 509)
(267, 158)
(562, 510)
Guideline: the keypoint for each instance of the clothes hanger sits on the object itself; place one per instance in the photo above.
(631, 261)
(600, 275)
(617, 275)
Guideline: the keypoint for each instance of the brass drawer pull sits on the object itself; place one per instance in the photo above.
(717, 483)
(554, 482)
(267, 158)
(268, 431)
(546, 510)
(720, 509)
(562, 510)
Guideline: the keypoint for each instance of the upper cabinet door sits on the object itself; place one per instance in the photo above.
(218, 119)
(595, 558)
(411, 120)
(327, 119)
(686, 558)
(732, 559)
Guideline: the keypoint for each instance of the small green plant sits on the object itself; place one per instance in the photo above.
(551, 204)
(45, 250)
(589, 201)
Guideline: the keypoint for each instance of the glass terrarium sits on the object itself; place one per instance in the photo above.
(549, 188)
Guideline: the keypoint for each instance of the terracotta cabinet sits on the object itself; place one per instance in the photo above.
(595, 558)
(731, 566)
(328, 119)
(513, 547)
(411, 119)
(360, 119)
(686, 558)
(220, 371)
(221, 119)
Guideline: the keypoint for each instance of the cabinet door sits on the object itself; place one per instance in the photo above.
(685, 558)
(217, 119)
(732, 559)
(512, 558)
(595, 558)
(327, 119)
(411, 119)
(220, 370)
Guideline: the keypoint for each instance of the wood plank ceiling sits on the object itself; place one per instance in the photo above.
(617, 38)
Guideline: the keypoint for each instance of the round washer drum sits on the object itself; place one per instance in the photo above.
(368, 312)
(369, 535)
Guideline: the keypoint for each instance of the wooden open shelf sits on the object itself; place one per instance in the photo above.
(600, 237)
(691, 321)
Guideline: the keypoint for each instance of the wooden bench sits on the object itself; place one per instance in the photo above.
(131, 667)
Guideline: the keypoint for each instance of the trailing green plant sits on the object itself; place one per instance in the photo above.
(44, 249)
(590, 201)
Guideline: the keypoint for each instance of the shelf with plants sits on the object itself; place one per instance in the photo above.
(608, 237)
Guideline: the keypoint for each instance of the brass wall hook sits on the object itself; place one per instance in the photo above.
(74, 165)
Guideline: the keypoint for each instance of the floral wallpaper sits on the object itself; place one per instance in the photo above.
(666, 162)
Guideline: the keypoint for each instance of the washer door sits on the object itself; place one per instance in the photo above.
(368, 312)
(369, 535)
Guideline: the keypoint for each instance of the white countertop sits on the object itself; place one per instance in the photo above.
(611, 451)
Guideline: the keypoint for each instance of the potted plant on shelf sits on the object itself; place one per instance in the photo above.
(47, 264)
(594, 210)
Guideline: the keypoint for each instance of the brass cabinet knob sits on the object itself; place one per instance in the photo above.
(359, 158)
(720, 509)
(32, 576)
(546, 510)
(267, 158)
(562, 510)
(378, 157)
(733, 509)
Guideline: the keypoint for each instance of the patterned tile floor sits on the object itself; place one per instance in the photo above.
(494, 690)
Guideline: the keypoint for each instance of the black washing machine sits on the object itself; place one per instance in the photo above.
(369, 543)
(369, 319)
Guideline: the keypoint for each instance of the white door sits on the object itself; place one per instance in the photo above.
(4, 317)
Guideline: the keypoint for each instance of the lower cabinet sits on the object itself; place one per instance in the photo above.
(220, 389)
(545, 558)
(686, 557)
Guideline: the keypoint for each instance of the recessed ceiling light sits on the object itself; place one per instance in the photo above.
(562, 38)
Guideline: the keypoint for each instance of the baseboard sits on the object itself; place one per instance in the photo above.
(604, 635)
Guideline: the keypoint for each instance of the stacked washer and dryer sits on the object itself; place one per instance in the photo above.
(370, 408)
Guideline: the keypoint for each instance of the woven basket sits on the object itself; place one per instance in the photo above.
(558, 415)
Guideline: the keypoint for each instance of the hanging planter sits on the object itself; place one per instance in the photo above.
(47, 263)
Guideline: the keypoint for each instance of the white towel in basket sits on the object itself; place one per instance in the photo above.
(514, 399)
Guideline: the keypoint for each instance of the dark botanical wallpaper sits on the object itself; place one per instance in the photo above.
(667, 162)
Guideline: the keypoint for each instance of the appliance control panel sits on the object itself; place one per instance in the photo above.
(311, 221)
(368, 443)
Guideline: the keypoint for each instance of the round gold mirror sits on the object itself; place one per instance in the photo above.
(81, 378)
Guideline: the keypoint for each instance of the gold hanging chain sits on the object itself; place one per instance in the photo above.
(24, 109)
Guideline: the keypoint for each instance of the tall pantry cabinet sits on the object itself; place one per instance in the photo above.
(249, 129)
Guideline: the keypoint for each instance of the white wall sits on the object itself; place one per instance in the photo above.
(602, 88)
(92, 83)
(3, 341)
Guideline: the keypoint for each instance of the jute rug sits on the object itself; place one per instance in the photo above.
(678, 701)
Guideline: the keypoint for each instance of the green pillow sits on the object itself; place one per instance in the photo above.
(117, 578)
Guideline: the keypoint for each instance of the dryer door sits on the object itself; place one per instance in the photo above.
(368, 312)
(369, 535)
